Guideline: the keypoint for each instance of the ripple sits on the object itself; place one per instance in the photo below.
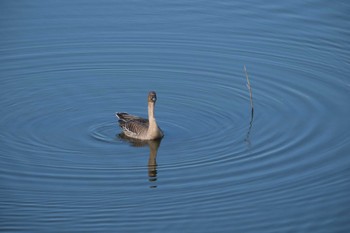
(213, 110)
(103, 131)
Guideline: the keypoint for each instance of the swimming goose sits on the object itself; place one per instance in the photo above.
(140, 128)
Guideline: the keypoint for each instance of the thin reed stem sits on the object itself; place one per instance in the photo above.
(250, 91)
(247, 139)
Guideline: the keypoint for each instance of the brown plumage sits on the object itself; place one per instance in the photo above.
(138, 127)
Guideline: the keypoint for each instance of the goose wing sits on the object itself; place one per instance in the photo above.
(124, 116)
(134, 127)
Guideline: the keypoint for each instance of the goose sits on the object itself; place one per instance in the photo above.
(138, 127)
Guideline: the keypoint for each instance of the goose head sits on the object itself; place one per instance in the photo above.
(152, 97)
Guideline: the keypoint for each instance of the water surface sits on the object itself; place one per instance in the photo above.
(68, 66)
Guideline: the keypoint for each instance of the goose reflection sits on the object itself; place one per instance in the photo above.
(153, 150)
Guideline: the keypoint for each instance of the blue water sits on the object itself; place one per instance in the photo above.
(68, 66)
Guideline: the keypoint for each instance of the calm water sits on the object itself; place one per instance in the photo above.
(68, 66)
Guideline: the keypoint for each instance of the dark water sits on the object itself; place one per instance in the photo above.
(68, 66)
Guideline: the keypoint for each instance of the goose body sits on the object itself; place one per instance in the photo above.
(138, 127)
